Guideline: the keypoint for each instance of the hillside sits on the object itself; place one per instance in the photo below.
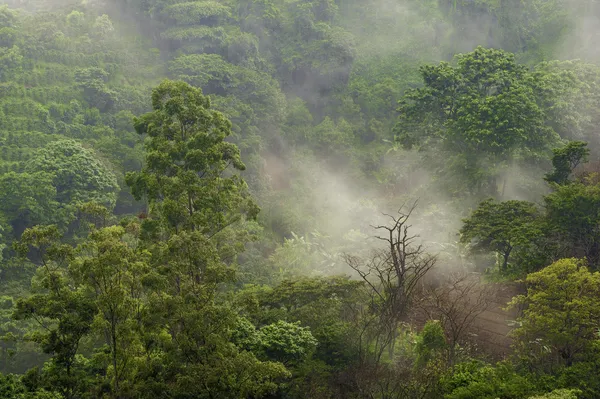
(298, 199)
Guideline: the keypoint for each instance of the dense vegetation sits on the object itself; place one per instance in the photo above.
(298, 199)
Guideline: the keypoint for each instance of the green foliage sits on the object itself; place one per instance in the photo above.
(64, 312)
(558, 326)
(565, 226)
(78, 175)
(186, 160)
(479, 116)
(559, 394)
(298, 99)
(93, 82)
(475, 380)
(28, 199)
(318, 303)
(431, 344)
(193, 12)
(502, 227)
(573, 215)
(566, 159)
(113, 273)
(568, 90)
(288, 343)
(11, 386)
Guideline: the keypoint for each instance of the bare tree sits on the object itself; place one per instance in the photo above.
(456, 302)
(391, 275)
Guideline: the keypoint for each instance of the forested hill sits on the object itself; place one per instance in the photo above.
(298, 199)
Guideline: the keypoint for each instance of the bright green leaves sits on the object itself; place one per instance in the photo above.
(560, 394)
(281, 341)
(474, 380)
(431, 344)
(560, 322)
(288, 343)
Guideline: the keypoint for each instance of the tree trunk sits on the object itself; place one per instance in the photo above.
(505, 262)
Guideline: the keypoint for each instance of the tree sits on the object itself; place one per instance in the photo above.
(194, 230)
(475, 380)
(431, 344)
(391, 275)
(501, 227)
(28, 199)
(573, 220)
(78, 175)
(456, 301)
(248, 88)
(476, 117)
(565, 160)
(93, 82)
(63, 311)
(560, 322)
(326, 305)
(568, 91)
(12, 386)
(559, 394)
(288, 343)
(112, 272)
(187, 159)
(2, 243)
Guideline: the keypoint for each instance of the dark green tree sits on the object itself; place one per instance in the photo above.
(573, 218)
(501, 227)
(28, 199)
(565, 160)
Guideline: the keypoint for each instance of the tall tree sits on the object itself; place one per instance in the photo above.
(474, 118)
(112, 272)
(185, 177)
(573, 218)
(392, 276)
(194, 229)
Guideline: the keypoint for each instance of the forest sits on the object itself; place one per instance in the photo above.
(244, 199)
